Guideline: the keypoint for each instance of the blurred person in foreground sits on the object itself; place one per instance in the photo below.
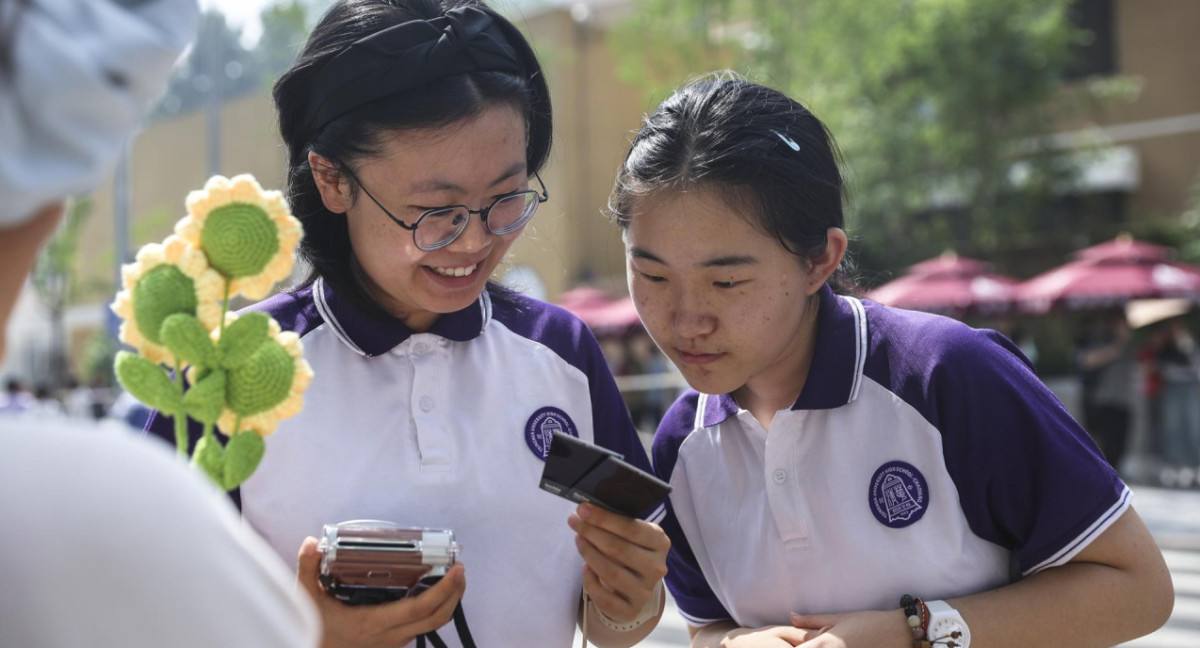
(111, 541)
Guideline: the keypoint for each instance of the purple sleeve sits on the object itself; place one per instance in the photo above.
(1029, 478)
(685, 580)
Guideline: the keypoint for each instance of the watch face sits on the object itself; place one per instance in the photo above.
(942, 629)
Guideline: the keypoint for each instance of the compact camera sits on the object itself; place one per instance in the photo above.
(365, 562)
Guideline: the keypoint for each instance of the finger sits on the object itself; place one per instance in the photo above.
(638, 532)
(606, 600)
(798, 636)
(614, 575)
(814, 621)
(432, 608)
(647, 564)
(308, 569)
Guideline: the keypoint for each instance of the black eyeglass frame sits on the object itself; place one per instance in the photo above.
(483, 213)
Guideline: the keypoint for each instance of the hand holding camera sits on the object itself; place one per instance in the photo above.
(422, 597)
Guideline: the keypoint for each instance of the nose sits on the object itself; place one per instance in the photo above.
(690, 316)
(474, 237)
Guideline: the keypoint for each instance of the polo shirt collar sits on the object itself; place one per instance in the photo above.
(837, 366)
(371, 337)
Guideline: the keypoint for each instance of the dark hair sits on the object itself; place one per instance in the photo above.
(357, 133)
(766, 155)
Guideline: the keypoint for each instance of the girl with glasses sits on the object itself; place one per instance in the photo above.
(846, 474)
(415, 130)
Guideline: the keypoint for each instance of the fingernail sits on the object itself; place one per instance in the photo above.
(584, 510)
(796, 618)
(573, 520)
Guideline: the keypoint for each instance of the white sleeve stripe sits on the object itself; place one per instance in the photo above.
(860, 345)
(1084, 539)
(697, 621)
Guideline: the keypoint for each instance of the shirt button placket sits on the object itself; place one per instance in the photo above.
(432, 442)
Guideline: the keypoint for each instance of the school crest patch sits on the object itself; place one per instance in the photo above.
(898, 494)
(542, 425)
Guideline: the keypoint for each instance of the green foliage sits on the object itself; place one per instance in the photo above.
(188, 339)
(242, 338)
(931, 101)
(148, 383)
(243, 453)
(205, 399)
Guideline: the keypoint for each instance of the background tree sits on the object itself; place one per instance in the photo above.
(937, 105)
(56, 283)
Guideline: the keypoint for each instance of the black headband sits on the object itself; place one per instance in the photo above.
(407, 56)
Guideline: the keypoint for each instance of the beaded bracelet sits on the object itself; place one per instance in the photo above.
(917, 615)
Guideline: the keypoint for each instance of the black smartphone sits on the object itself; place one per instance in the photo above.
(582, 472)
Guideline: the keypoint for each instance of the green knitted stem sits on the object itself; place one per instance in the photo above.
(161, 292)
(262, 382)
(239, 239)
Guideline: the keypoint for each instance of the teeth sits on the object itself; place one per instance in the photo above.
(456, 272)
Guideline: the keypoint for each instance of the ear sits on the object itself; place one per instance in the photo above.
(822, 267)
(333, 186)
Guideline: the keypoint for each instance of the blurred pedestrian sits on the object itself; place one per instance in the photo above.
(1178, 363)
(1108, 366)
(15, 399)
(111, 541)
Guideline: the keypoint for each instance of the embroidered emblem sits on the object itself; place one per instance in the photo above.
(899, 494)
(542, 425)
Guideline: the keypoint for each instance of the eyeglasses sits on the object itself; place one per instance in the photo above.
(436, 228)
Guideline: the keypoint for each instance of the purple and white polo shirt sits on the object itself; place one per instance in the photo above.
(446, 429)
(922, 456)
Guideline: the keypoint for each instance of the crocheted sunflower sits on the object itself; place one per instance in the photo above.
(166, 279)
(247, 234)
(243, 374)
(268, 386)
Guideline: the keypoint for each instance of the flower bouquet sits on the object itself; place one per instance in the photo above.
(197, 360)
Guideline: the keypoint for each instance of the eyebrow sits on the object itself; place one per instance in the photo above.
(715, 262)
(431, 185)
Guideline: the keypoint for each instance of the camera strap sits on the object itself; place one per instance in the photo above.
(460, 626)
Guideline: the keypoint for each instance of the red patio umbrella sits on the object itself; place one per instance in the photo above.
(949, 285)
(1109, 275)
(600, 311)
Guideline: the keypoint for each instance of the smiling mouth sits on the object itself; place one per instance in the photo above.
(455, 272)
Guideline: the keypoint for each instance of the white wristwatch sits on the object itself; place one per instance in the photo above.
(944, 621)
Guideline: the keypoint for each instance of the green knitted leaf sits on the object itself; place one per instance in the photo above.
(210, 457)
(148, 382)
(262, 382)
(239, 239)
(243, 453)
(242, 338)
(161, 292)
(206, 398)
(184, 335)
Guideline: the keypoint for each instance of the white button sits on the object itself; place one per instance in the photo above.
(780, 476)
(426, 403)
(420, 347)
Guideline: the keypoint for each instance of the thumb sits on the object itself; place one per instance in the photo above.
(813, 621)
(308, 568)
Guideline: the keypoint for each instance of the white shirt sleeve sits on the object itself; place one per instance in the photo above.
(109, 540)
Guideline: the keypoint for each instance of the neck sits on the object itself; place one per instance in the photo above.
(417, 323)
(778, 387)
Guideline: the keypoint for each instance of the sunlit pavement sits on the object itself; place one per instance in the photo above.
(1174, 518)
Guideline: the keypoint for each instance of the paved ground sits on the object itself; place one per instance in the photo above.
(1174, 518)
